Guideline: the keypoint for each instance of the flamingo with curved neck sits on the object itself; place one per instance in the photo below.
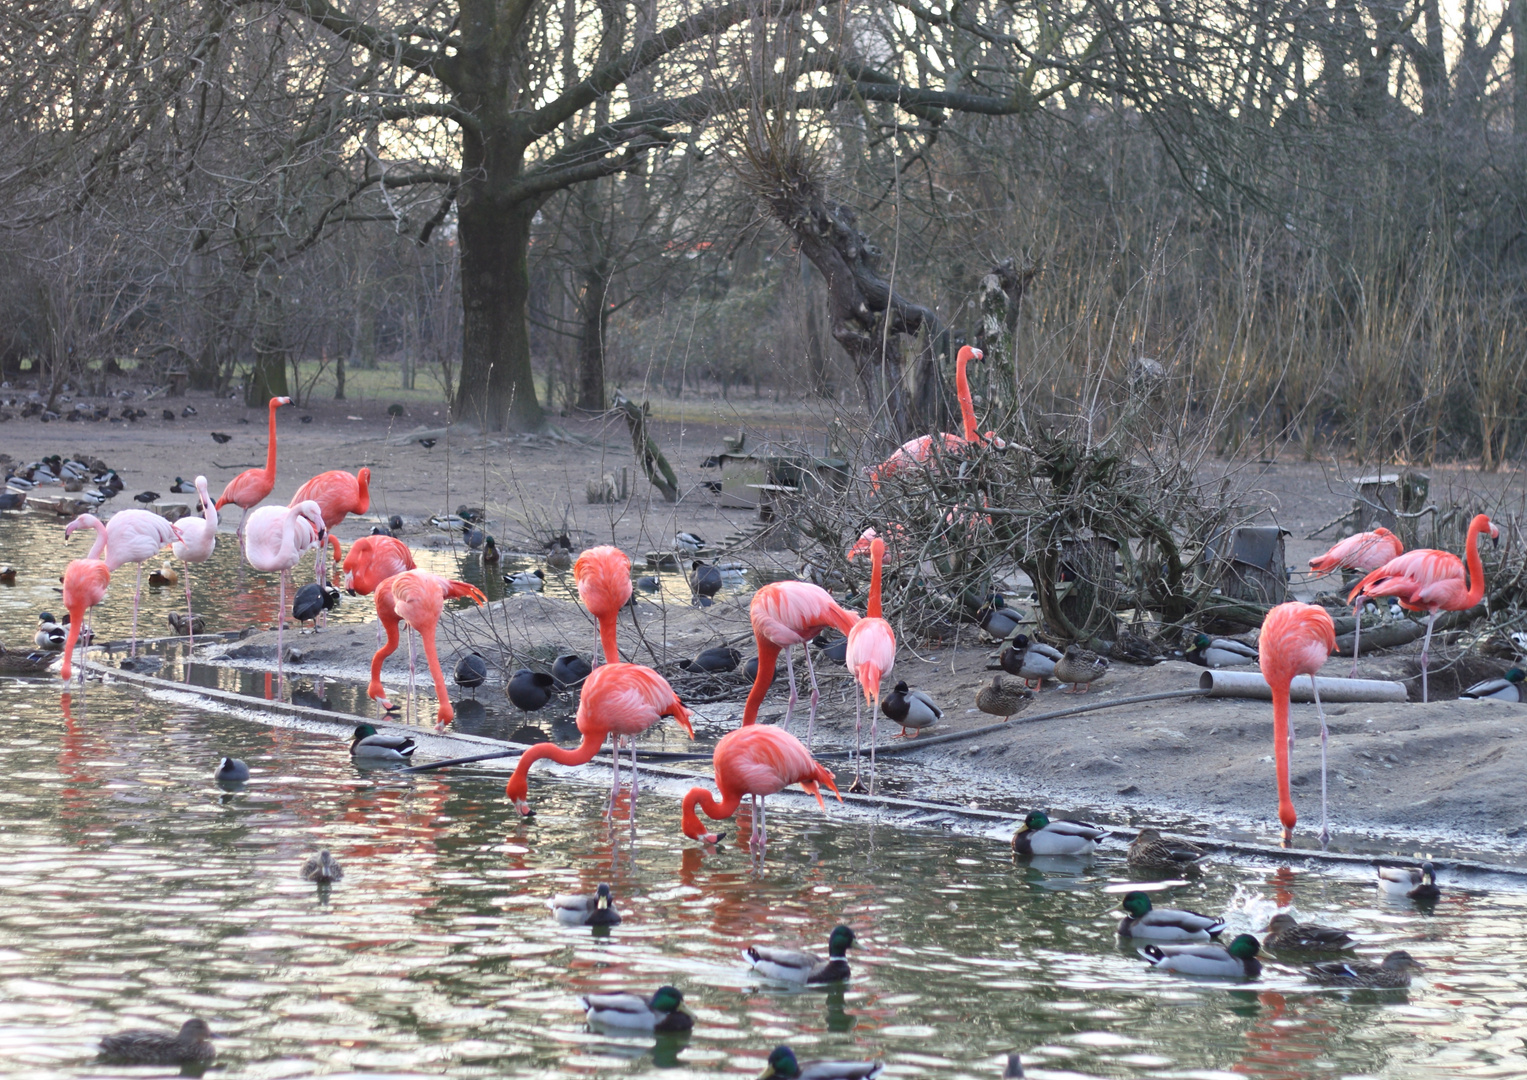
(915, 453)
(870, 657)
(85, 584)
(276, 538)
(198, 538)
(1295, 640)
(755, 761)
(253, 486)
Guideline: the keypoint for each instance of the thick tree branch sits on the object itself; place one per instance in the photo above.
(381, 42)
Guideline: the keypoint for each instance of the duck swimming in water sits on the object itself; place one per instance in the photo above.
(142, 1047)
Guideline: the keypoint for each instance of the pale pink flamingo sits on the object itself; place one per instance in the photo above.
(603, 575)
(755, 761)
(416, 598)
(131, 536)
(1365, 551)
(253, 486)
(1432, 581)
(338, 494)
(915, 453)
(785, 614)
(198, 537)
(275, 539)
(1296, 639)
(85, 583)
(871, 656)
(618, 700)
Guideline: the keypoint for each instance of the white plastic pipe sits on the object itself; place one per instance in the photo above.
(1250, 684)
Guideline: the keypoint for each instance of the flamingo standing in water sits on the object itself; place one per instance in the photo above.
(1432, 581)
(370, 561)
(253, 486)
(618, 700)
(915, 453)
(1296, 639)
(416, 598)
(871, 655)
(276, 538)
(1365, 551)
(338, 494)
(198, 537)
(85, 583)
(756, 761)
(785, 614)
(131, 536)
(603, 575)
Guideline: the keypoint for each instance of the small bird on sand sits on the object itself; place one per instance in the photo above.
(1003, 697)
(146, 497)
(220, 438)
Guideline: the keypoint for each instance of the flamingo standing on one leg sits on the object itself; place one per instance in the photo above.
(198, 537)
(755, 761)
(871, 655)
(1432, 581)
(276, 538)
(338, 494)
(915, 453)
(371, 561)
(416, 598)
(253, 486)
(618, 699)
(130, 536)
(1365, 551)
(1296, 639)
(85, 583)
(785, 614)
(603, 575)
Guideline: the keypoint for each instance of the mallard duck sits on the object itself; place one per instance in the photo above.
(1393, 973)
(1165, 924)
(1032, 661)
(689, 543)
(648, 583)
(1287, 934)
(368, 745)
(1153, 852)
(912, 709)
(782, 1063)
(179, 622)
(1081, 668)
(1506, 688)
(1038, 835)
(1411, 882)
(322, 868)
(19, 663)
(1003, 697)
(164, 575)
(798, 966)
(998, 621)
(50, 634)
(526, 580)
(182, 487)
(231, 771)
(559, 558)
(1238, 961)
(472, 536)
(591, 909)
(143, 1047)
(1220, 652)
(490, 552)
(661, 1012)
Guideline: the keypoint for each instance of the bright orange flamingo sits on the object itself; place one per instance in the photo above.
(756, 761)
(915, 453)
(1432, 581)
(371, 561)
(253, 486)
(416, 598)
(871, 655)
(1363, 551)
(618, 700)
(1296, 639)
(785, 614)
(85, 582)
(338, 494)
(603, 575)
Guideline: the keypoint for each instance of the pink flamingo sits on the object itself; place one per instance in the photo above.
(275, 539)
(785, 614)
(131, 536)
(338, 494)
(253, 486)
(416, 598)
(1365, 551)
(757, 762)
(871, 655)
(915, 453)
(618, 700)
(371, 561)
(85, 583)
(603, 575)
(1296, 639)
(1432, 581)
(198, 537)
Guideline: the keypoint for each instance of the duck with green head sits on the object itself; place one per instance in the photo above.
(782, 1063)
(369, 746)
(1506, 688)
(1038, 835)
(631, 1012)
(1164, 924)
(1220, 652)
(1411, 882)
(799, 966)
(1237, 961)
(586, 909)
(1392, 974)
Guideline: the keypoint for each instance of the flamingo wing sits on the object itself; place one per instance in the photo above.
(1361, 551)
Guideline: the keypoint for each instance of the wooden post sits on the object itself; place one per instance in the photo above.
(652, 461)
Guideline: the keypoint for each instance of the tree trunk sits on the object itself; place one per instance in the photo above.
(268, 377)
(497, 387)
(591, 312)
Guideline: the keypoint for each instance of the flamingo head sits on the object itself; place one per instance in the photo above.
(84, 521)
(277, 402)
(968, 353)
(681, 717)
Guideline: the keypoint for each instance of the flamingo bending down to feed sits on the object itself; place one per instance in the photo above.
(416, 598)
(915, 453)
(1432, 581)
(338, 494)
(85, 583)
(370, 561)
(603, 575)
(756, 761)
(1365, 551)
(1296, 639)
(198, 537)
(253, 486)
(785, 614)
(619, 700)
(131, 536)
(275, 539)
(870, 657)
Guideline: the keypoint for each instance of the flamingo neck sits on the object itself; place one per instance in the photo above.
(270, 448)
(518, 789)
(967, 403)
(208, 511)
(76, 620)
(1475, 564)
(607, 637)
(98, 549)
(877, 556)
(1286, 813)
(768, 656)
(363, 492)
(714, 809)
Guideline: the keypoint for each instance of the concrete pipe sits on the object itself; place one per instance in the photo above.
(1250, 684)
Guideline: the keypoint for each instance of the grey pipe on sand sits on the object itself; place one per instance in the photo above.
(1250, 684)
